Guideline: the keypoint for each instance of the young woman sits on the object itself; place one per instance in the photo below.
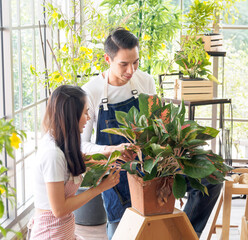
(59, 166)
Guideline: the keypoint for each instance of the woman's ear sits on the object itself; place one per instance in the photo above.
(107, 58)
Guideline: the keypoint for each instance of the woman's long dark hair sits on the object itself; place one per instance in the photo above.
(63, 112)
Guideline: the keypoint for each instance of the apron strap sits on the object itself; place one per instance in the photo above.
(133, 90)
(105, 93)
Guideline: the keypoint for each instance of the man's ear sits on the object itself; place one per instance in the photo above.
(107, 58)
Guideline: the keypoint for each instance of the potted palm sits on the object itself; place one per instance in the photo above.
(164, 148)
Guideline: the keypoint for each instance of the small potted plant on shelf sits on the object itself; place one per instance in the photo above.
(193, 60)
(194, 63)
(165, 150)
(203, 21)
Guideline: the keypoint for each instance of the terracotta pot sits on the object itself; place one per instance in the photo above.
(152, 197)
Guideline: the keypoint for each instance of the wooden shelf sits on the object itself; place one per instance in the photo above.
(217, 54)
(134, 226)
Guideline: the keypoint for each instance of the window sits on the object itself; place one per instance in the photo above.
(21, 98)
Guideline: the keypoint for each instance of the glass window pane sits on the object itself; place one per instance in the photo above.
(28, 163)
(29, 127)
(241, 18)
(240, 142)
(41, 108)
(16, 72)
(14, 13)
(236, 71)
(19, 151)
(39, 62)
(26, 10)
(27, 60)
(39, 9)
(19, 184)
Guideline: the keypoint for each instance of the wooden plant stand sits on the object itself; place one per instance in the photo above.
(134, 226)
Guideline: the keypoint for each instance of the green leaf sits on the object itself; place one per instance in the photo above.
(3, 231)
(133, 116)
(179, 186)
(146, 136)
(127, 133)
(207, 134)
(143, 122)
(131, 167)
(196, 184)
(181, 112)
(148, 104)
(194, 143)
(121, 118)
(163, 113)
(149, 164)
(113, 157)
(1, 209)
(151, 175)
(92, 176)
(97, 156)
(198, 167)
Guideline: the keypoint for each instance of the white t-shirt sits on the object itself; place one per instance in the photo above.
(50, 166)
(143, 83)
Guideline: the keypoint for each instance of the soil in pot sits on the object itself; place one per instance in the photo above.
(152, 197)
(191, 79)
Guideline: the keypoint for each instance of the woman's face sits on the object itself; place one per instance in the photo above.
(84, 117)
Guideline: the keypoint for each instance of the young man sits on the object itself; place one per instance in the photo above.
(117, 90)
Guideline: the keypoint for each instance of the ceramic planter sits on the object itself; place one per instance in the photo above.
(152, 197)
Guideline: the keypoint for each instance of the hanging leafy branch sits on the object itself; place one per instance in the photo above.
(77, 52)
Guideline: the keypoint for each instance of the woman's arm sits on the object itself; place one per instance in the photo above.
(62, 206)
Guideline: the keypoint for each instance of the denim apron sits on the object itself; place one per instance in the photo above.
(116, 199)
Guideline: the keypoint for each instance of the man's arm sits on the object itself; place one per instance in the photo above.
(86, 145)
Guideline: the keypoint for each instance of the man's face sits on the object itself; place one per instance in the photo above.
(123, 66)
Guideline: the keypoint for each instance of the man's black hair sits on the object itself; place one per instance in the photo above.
(120, 38)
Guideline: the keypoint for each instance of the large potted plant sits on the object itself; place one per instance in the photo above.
(166, 148)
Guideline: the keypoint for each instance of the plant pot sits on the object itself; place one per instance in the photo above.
(212, 42)
(92, 213)
(147, 197)
(193, 90)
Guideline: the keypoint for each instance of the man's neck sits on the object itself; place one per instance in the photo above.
(113, 80)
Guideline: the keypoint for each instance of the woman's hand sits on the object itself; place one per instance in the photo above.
(112, 179)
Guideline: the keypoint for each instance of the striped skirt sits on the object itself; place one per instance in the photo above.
(47, 226)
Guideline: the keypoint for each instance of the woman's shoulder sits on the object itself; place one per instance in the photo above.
(48, 149)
